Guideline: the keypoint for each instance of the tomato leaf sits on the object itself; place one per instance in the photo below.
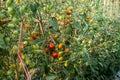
(51, 77)
(53, 22)
(2, 44)
(2, 16)
(76, 25)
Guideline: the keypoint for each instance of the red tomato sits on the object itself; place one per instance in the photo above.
(47, 50)
(68, 12)
(51, 46)
(55, 55)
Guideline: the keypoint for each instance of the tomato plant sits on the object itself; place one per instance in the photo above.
(58, 40)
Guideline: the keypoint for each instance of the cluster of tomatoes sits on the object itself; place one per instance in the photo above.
(68, 13)
(34, 34)
(57, 50)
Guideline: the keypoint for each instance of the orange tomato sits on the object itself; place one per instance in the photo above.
(67, 50)
(27, 25)
(56, 36)
(68, 12)
(60, 46)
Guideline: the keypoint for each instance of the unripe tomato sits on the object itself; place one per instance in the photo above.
(90, 41)
(67, 50)
(22, 9)
(25, 42)
(55, 55)
(14, 20)
(51, 46)
(23, 57)
(87, 64)
(11, 10)
(27, 62)
(60, 58)
(15, 32)
(7, 39)
(47, 50)
(10, 25)
(68, 12)
(60, 46)
(9, 2)
(66, 64)
(9, 72)
(12, 66)
(60, 53)
(15, 48)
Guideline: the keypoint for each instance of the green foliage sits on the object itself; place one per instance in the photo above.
(90, 41)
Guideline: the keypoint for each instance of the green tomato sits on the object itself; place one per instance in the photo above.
(15, 32)
(15, 48)
(9, 72)
(10, 25)
(14, 20)
(11, 10)
(7, 39)
(9, 2)
(22, 9)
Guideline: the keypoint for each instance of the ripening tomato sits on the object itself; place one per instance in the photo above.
(67, 50)
(70, 8)
(35, 34)
(60, 46)
(60, 58)
(31, 38)
(88, 19)
(27, 25)
(67, 16)
(54, 54)
(47, 50)
(67, 21)
(56, 36)
(68, 12)
(44, 76)
(64, 41)
(51, 46)
(60, 53)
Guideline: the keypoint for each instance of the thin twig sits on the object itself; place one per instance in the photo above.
(20, 51)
